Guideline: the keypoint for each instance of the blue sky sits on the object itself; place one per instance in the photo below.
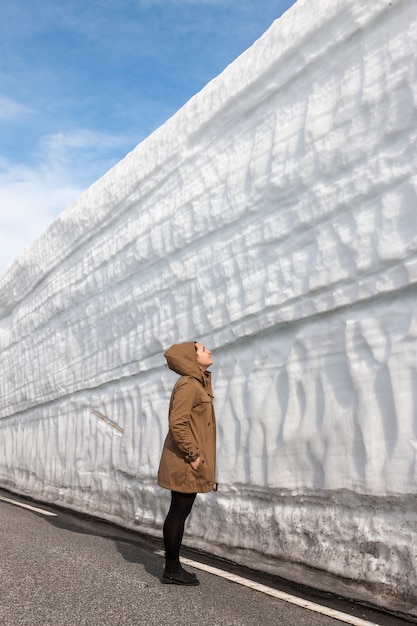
(83, 82)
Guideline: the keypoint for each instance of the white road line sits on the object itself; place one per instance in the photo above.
(280, 595)
(27, 506)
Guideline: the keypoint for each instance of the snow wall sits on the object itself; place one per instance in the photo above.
(274, 219)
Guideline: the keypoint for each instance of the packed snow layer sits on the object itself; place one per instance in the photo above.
(274, 219)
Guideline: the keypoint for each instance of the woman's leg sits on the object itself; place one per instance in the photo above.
(181, 505)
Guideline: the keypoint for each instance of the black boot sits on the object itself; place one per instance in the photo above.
(174, 574)
(188, 573)
(172, 565)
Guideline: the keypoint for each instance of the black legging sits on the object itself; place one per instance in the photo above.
(181, 505)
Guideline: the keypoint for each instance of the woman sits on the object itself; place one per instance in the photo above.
(188, 461)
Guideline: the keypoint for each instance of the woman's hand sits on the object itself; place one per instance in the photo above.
(195, 464)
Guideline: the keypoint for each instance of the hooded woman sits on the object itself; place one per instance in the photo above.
(188, 461)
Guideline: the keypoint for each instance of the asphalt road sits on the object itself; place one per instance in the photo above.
(70, 570)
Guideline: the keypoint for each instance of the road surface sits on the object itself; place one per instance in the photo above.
(58, 568)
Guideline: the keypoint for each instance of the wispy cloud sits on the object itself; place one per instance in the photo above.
(12, 110)
(29, 200)
(32, 197)
(82, 155)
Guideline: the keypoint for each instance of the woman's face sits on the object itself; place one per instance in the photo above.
(203, 356)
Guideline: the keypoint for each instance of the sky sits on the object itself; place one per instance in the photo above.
(83, 82)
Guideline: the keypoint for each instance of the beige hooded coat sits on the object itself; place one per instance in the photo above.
(192, 426)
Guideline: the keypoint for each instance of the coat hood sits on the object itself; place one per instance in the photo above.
(182, 359)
